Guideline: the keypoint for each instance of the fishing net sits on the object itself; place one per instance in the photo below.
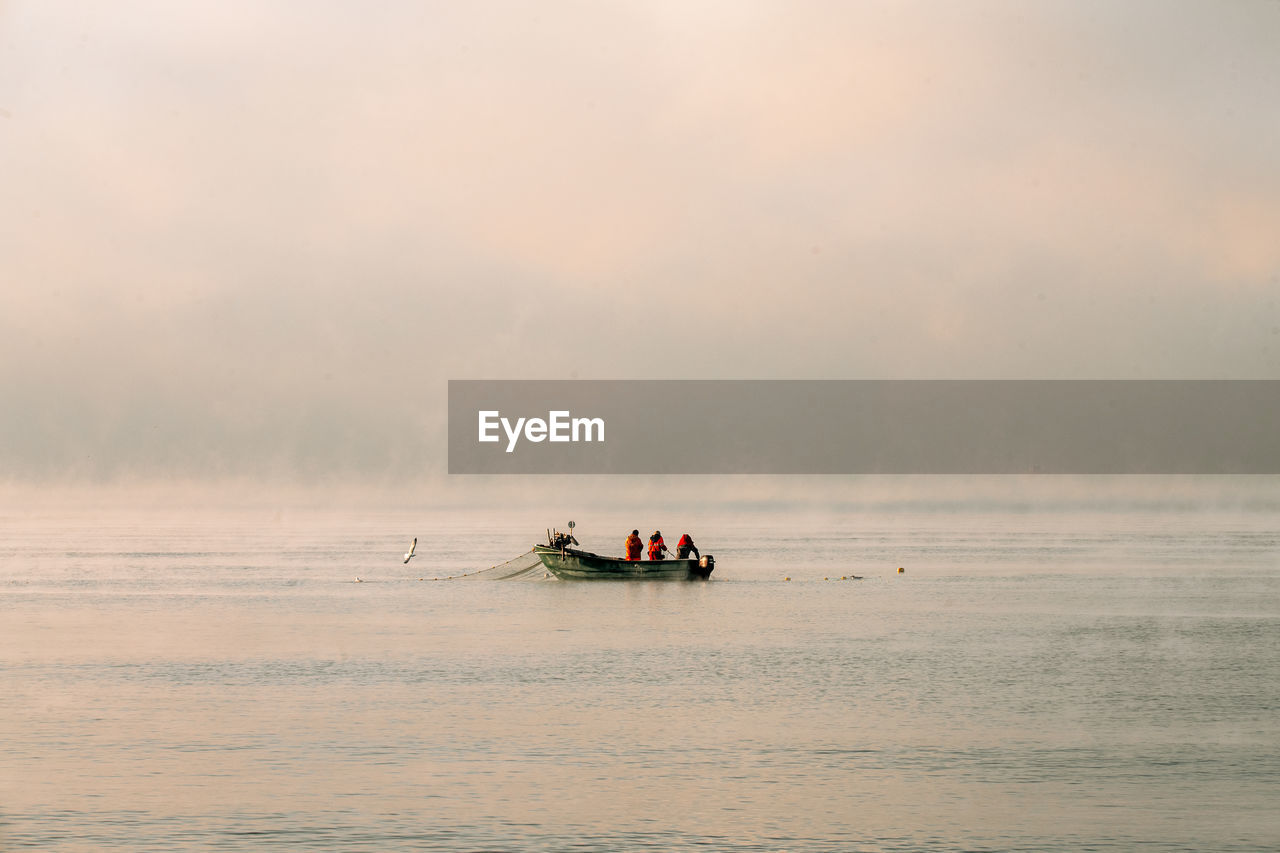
(526, 566)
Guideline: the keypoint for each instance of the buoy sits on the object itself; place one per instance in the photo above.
(901, 570)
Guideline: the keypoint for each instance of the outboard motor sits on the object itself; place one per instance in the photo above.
(706, 565)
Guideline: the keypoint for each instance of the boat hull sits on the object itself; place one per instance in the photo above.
(571, 564)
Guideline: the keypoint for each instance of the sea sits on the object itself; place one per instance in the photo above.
(888, 678)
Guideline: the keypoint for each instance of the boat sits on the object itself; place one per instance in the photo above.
(573, 564)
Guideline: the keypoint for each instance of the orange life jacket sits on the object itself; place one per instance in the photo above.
(655, 548)
(634, 545)
(684, 542)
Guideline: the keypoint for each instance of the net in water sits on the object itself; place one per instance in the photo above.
(526, 566)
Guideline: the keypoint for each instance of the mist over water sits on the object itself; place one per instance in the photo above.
(245, 247)
(1048, 679)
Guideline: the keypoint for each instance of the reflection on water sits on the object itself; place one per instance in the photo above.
(1030, 682)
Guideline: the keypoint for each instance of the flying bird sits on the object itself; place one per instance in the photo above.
(412, 548)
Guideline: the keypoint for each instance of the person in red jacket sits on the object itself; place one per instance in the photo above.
(634, 545)
(685, 545)
(656, 545)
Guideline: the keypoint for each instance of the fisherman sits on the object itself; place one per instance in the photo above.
(634, 545)
(656, 546)
(684, 546)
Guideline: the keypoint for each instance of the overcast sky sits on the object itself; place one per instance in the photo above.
(256, 239)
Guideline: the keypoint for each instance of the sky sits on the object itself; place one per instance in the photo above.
(253, 241)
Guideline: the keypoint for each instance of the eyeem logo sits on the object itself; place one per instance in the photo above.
(558, 426)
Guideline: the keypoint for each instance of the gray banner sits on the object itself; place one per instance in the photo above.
(864, 427)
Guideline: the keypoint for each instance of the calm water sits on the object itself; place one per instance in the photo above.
(1052, 681)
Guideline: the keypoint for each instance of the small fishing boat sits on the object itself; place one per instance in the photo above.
(572, 564)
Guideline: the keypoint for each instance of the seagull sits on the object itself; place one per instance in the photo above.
(412, 548)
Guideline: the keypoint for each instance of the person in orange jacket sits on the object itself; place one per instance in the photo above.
(685, 545)
(634, 545)
(656, 545)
